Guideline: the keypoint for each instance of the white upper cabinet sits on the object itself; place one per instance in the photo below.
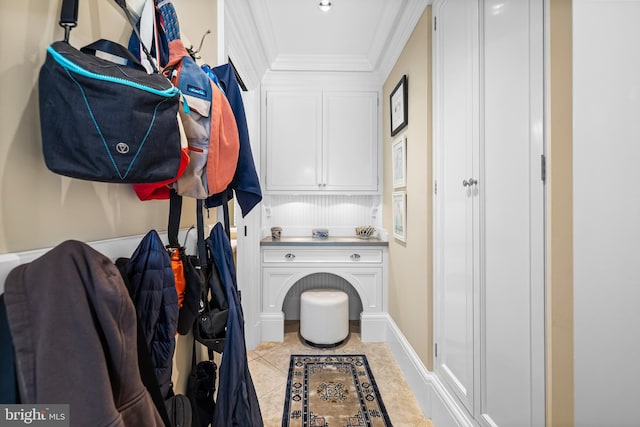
(294, 141)
(350, 143)
(321, 141)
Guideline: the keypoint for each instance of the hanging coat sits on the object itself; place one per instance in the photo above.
(245, 181)
(237, 402)
(153, 291)
(8, 386)
(74, 330)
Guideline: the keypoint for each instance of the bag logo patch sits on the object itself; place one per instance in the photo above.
(197, 90)
(122, 148)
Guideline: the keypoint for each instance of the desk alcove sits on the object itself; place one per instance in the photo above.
(361, 263)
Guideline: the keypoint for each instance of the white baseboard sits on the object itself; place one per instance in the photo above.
(272, 326)
(434, 400)
(373, 327)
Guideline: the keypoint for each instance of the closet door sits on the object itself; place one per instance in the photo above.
(456, 168)
(511, 344)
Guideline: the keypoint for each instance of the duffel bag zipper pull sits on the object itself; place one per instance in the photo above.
(185, 104)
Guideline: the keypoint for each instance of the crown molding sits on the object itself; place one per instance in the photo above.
(250, 42)
(321, 63)
(243, 43)
(405, 25)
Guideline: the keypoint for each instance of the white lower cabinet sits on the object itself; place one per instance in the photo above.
(363, 268)
(489, 209)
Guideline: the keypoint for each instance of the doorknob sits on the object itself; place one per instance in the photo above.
(469, 183)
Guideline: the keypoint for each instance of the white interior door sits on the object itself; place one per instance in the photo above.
(456, 135)
(511, 345)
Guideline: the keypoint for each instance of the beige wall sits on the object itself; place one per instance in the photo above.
(410, 263)
(560, 387)
(38, 208)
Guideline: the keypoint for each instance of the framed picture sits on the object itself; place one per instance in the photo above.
(399, 156)
(399, 113)
(399, 205)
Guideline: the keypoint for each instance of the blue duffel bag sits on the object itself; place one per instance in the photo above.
(103, 120)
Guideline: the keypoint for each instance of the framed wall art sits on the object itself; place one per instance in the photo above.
(399, 110)
(399, 158)
(399, 205)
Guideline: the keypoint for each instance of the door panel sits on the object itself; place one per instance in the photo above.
(294, 140)
(511, 205)
(350, 141)
(456, 127)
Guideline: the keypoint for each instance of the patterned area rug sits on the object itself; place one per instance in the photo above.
(332, 391)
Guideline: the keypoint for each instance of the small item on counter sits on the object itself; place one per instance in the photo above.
(320, 233)
(276, 233)
(365, 232)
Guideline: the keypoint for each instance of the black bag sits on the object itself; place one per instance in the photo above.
(103, 121)
(179, 411)
(201, 388)
(210, 328)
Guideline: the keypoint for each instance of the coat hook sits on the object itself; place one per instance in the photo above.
(194, 52)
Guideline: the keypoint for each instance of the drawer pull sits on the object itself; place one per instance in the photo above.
(289, 257)
(355, 257)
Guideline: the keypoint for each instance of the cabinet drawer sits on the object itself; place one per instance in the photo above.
(355, 255)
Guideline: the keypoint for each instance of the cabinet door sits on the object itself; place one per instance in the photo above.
(511, 347)
(455, 217)
(350, 150)
(294, 140)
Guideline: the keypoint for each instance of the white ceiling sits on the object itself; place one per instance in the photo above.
(355, 35)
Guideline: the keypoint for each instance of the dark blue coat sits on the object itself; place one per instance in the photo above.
(237, 403)
(153, 291)
(8, 385)
(245, 181)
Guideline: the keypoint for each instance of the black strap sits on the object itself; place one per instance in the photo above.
(69, 13)
(225, 212)
(68, 17)
(202, 249)
(175, 210)
(114, 49)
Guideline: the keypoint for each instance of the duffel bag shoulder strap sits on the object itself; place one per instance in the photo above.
(69, 20)
(68, 17)
(114, 49)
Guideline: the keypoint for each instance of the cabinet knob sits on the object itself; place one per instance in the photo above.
(289, 257)
(469, 183)
(355, 257)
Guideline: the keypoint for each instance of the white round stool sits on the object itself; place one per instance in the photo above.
(324, 317)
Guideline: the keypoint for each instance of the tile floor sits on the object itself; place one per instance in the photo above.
(269, 366)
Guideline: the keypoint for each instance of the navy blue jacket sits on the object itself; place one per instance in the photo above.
(153, 291)
(8, 385)
(245, 180)
(237, 403)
